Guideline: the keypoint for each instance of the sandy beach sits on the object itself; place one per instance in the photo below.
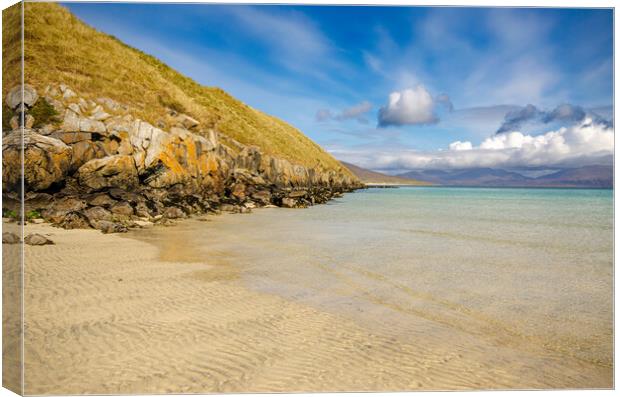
(117, 314)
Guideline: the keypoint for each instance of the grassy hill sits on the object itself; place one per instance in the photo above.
(59, 48)
(368, 176)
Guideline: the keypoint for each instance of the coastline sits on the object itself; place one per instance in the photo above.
(181, 317)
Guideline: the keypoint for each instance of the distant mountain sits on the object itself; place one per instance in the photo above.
(368, 176)
(590, 176)
(596, 176)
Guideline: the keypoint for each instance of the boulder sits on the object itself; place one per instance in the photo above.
(96, 214)
(37, 239)
(74, 220)
(112, 171)
(110, 227)
(173, 213)
(9, 238)
(289, 202)
(14, 97)
(74, 122)
(99, 114)
(143, 224)
(238, 190)
(47, 160)
(262, 196)
(122, 208)
(101, 200)
(61, 207)
(66, 91)
(84, 151)
(36, 200)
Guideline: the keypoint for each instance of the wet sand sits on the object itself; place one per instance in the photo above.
(151, 312)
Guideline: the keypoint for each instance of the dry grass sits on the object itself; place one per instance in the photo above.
(59, 48)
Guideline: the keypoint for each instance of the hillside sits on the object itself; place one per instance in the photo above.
(368, 176)
(59, 48)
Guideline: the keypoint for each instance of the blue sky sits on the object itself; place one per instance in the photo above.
(378, 85)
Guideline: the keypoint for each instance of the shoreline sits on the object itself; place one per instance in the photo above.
(184, 321)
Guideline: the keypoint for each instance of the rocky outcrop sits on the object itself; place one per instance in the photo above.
(100, 167)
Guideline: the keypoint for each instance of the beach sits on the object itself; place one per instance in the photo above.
(180, 309)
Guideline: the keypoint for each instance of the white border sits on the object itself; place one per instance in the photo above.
(479, 3)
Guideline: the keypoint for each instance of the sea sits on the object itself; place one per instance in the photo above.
(506, 274)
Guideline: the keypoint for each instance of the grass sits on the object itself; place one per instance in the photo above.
(59, 48)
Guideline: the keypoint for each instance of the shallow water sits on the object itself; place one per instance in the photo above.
(518, 276)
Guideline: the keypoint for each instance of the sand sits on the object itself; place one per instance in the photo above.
(113, 314)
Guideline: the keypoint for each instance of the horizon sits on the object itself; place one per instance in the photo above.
(402, 88)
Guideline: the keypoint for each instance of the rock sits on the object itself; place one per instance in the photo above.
(66, 92)
(9, 238)
(289, 202)
(122, 208)
(144, 224)
(110, 227)
(37, 221)
(298, 194)
(47, 160)
(112, 171)
(117, 125)
(72, 137)
(229, 208)
(60, 208)
(187, 121)
(74, 220)
(14, 97)
(173, 213)
(84, 151)
(90, 125)
(262, 196)
(101, 200)
(73, 122)
(142, 210)
(37, 239)
(95, 214)
(109, 103)
(98, 114)
(29, 121)
(36, 201)
(14, 122)
(238, 190)
(249, 204)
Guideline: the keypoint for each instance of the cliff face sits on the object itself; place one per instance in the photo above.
(91, 163)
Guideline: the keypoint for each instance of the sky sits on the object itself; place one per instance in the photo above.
(399, 88)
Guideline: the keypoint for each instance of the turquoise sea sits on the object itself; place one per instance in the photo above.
(515, 278)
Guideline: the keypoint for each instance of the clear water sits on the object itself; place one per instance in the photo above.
(496, 272)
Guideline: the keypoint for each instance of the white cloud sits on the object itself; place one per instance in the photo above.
(458, 145)
(356, 112)
(410, 106)
(582, 144)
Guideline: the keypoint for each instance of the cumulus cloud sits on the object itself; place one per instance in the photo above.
(458, 145)
(584, 143)
(412, 106)
(566, 113)
(356, 112)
